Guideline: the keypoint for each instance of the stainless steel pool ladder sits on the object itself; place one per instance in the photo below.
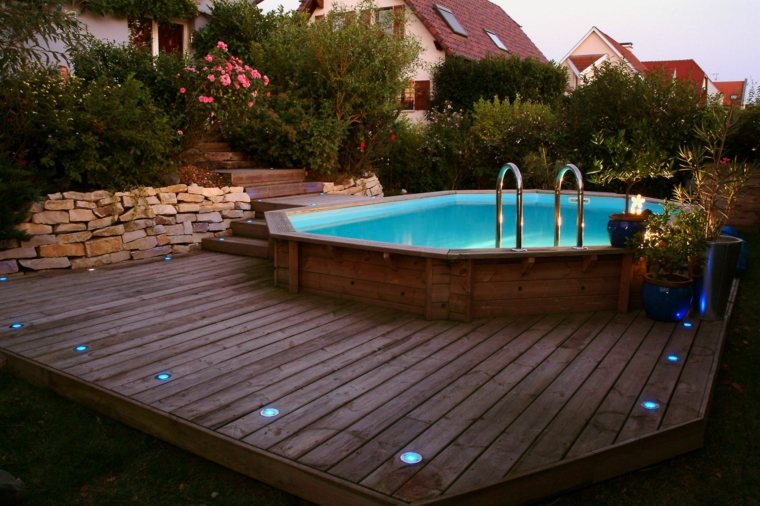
(518, 205)
(557, 193)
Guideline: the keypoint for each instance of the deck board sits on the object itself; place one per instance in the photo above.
(502, 409)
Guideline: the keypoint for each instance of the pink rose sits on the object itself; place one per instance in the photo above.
(221, 45)
(225, 79)
(211, 77)
(180, 132)
(208, 58)
(182, 90)
(266, 81)
(243, 80)
(250, 104)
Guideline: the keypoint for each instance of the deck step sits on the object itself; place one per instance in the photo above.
(284, 189)
(253, 228)
(234, 245)
(207, 146)
(258, 177)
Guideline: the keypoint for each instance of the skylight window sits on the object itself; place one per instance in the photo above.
(497, 41)
(451, 20)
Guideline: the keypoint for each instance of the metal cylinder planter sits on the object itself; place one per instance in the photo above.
(719, 273)
(667, 300)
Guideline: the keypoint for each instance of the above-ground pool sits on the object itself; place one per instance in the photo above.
(434, 254)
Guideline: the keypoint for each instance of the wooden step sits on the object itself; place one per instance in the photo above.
(223, 156)
(214, 146)
(253, 228)
(258, 177)
(224, 166)
(284, 189)
(233, 245)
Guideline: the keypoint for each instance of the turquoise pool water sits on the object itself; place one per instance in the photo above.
(464, 221)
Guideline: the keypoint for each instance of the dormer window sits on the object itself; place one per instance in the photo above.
(451, 20)
(497, 41)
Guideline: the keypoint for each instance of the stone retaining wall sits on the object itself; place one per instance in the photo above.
(82, 230)
(369, 186)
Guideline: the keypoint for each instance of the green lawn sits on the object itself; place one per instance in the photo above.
(67, 454)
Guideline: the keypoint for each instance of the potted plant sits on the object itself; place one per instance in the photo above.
(628, 159)
(715, 184)
(672, 247)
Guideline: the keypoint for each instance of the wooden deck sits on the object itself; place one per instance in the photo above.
(502, 410)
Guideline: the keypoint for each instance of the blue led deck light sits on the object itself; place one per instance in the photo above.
(168, 257)
(688, 324)
(673, 358)
(163, 376)
(411, 458)
(650, 405)
(221, 238)
(16, 325)
(81, 348)
(269, 412)
(249, 221)
(3, 278)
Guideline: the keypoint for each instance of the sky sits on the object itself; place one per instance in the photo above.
(722, 36)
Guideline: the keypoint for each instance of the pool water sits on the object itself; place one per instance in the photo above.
(465, 221)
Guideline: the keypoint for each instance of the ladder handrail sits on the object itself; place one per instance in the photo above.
(518, 204)
(557, 192)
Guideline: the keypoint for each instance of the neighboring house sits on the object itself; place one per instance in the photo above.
(160, 37)
(686, 71)
(733, 92)
(472, 29)
(592, 51)
(596, 48)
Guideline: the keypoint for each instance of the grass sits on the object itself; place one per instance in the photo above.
(68, 454)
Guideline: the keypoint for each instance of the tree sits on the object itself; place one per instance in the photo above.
(28, 30)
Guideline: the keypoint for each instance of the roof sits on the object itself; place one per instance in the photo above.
(475, 16)
(582, 62)
(731, 89)
(626, 53)
(683, 70)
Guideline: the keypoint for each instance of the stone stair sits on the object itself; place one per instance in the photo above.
(249, 238)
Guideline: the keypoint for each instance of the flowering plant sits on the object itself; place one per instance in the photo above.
(221, 85)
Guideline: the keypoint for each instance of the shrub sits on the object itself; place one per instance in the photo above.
(406, 165)
(72, 134)
(743, 140)
(519, 131)
(342, 78)
(462, 82)
(17, 192)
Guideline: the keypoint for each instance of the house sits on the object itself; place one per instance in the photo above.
(472, 29)
(593, 50)
(159, 37)
(733, 92)
(686, 71)
(596, 48)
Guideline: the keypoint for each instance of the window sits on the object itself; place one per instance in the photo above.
(169, 37)
(451, 20)
(497, 41)
(141, 33)
(416, 96)
(392, 19)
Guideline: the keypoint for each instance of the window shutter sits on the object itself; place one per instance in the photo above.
(421, 95)
(398, 21)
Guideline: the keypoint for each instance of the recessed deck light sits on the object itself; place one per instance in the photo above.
(81, 348)
(249, 221)
(411, 458)
(673, 358)
(91, 269)
(168, 257)
(688, 324)
(269, 412)
(3, 278)
(650, 405)
(16, 325)
(163, 376)
(221, 238)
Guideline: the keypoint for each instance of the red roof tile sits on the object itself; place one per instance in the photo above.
(731, 89)
(626, 53)
(683, 70)
(582, 62)
(476, 16)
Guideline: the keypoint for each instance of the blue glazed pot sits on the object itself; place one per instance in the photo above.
(667, 300)
(622, 226)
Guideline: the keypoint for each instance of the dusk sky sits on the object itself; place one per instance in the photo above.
(723, 37)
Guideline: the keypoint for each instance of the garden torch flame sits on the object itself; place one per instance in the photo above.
(637, 204)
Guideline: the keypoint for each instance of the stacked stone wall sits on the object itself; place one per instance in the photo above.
(83, 230)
